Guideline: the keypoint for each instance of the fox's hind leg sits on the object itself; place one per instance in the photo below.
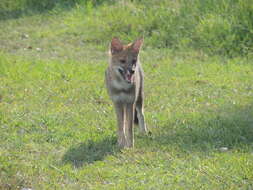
(140, 114)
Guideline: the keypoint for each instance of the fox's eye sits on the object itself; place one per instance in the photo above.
(134, 61)
(122, 61)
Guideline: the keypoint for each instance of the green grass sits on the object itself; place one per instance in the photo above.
(58, 127)
(222, 27)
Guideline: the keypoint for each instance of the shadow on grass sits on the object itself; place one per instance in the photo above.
(230, 127)
(90, 151)
(33, 7)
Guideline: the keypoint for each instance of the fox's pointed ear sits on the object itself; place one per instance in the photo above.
(137, 45)
(116, 45)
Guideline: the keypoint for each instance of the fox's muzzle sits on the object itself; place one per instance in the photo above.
(127, 74)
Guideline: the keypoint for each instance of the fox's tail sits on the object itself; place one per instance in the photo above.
(136, 121)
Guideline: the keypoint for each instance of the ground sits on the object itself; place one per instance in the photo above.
(58, 127)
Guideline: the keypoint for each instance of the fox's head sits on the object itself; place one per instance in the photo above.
(124, 58)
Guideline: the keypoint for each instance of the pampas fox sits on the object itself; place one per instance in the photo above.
(124, 82)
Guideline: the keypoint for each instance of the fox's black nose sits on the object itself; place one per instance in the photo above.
(131, 71)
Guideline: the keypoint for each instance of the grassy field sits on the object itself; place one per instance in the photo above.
(57, 124)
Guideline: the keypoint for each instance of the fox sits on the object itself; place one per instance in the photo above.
(124, 78)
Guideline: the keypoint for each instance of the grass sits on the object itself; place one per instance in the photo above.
(214, 26)
(57, 124)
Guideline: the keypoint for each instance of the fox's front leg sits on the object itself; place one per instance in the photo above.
(129, 125)
(119, 108)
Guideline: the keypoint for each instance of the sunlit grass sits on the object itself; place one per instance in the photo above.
(57, 123)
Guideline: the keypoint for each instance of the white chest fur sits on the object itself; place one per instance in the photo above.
(123, 97)
(121, 85)
(122, 94)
